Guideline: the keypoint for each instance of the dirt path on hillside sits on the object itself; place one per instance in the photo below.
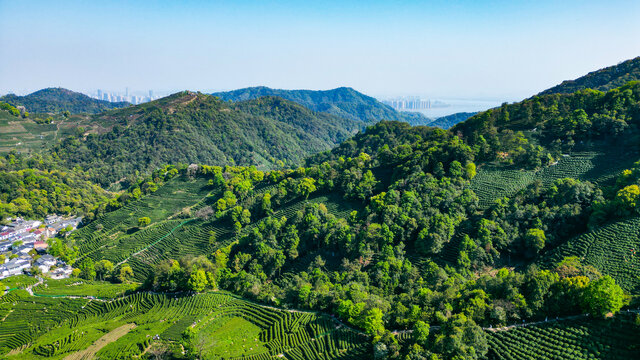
(106, 339)
(30, 287)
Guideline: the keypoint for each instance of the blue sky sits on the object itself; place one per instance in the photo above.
(503, 50)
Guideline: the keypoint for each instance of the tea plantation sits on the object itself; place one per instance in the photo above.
(612, 249)
(217, 325)
(174, 231)
(574, 339)
(493, 182)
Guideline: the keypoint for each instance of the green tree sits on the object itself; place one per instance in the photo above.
(535, 240)
(125, 274)
(87, 269)
(103, 269)
(460, 338)
(144, 221)
(420, 333)
(306, 186)
(455, 169)
(212, 237)
(603, 296)
(198, 281)
(470, 170)
(372, 323)
(628, 198)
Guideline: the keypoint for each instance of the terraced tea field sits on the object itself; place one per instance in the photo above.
(576, 339)
(116, 236)
(614, 249)
(494, 182)
(173, 231)
(23, 135)
(81, 287)
(220, 325)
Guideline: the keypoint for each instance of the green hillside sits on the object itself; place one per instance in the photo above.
(211, 325)
(343, 102)
(602, 80)
(56, 100)
(421, 242)
(581, 338)
(196, 128)
(611, 249)
(448, 121)
(32, 134)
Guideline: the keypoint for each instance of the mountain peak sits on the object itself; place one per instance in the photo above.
(344, 102)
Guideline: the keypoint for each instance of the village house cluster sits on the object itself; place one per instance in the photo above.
(24, 245)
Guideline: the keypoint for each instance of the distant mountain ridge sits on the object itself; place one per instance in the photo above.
(603, 80)
(343, 101)
(60, 99)
(448, 121)
(189, 127)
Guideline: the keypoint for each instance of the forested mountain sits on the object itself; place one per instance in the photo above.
(344, 102)
(425, 243)
(401, 228)
(558, 122)
(54, 100)
(196, 128)
(603, 79)
(32, 189)
(448, 121)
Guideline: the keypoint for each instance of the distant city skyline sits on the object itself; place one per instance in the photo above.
(496, 49)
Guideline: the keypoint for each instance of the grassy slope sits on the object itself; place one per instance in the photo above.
(80, 287)
(23, 135)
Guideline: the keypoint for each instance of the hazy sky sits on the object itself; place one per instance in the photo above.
(466, 49)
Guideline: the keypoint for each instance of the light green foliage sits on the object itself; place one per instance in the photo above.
(535, 240)
(125, 274)
(87, 269)
(628, 198)
(144, 221)
(603, 296)
(470, 170)
(372, 323)
(103, 269)
(306, 187)
(421, 333)
(198, 280)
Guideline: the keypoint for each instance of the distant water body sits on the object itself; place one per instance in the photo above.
(457, 106)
